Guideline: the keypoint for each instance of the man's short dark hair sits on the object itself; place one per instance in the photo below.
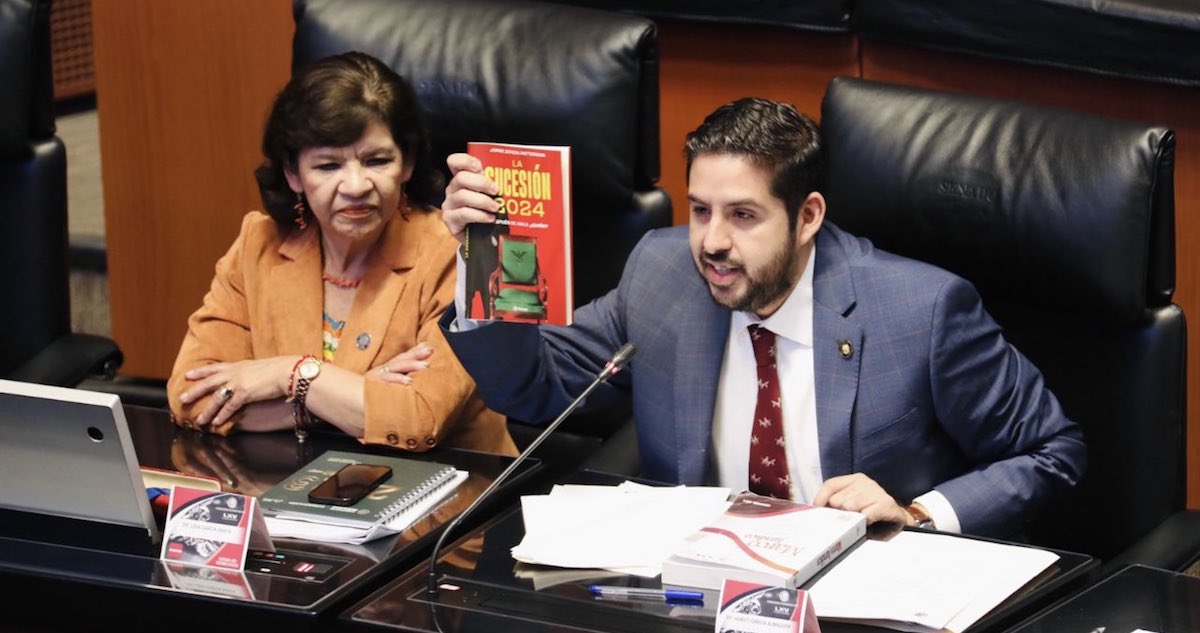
(771, 134)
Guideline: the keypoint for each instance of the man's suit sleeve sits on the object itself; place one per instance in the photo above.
(531, 373)
(995, 405)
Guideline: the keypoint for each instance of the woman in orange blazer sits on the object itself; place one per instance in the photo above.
(324, 310)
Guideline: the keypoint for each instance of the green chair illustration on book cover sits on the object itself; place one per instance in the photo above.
(518, 287)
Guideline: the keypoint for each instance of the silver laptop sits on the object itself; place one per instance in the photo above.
(68, 453)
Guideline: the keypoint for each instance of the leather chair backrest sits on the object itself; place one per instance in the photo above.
(1147, 40)
(525, 72)
(33, 190)
(1064, 221)
(25, 73)
(827, 16)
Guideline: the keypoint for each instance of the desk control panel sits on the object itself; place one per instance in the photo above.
(300, 565)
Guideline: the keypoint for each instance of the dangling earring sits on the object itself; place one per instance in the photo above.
(403, 206)
(300, 212)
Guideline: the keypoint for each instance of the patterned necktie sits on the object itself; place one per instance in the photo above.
(768, 461)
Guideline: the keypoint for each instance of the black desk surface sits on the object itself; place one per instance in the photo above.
(109, 591)
(1137, 597)
(497, 593)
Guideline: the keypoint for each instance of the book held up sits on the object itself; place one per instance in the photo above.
(764, 541)
(519, 268)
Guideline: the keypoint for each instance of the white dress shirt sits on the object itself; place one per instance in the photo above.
(737, 393)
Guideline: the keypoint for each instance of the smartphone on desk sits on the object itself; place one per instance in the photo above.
(348, 485)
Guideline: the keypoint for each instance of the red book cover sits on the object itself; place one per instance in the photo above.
(519, 269)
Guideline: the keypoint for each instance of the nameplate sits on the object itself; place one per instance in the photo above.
(749, 608)
(213, 529)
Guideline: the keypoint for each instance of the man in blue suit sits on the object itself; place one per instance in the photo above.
(900, 397)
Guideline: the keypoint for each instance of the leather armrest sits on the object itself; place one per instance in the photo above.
(70, 359)
(619, 453)
(136, 390)
(1173, 545)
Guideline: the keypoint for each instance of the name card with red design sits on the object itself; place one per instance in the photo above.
(212, 528)
(765, 541)
(749, 608)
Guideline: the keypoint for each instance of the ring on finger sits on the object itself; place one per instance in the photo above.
(225, 392)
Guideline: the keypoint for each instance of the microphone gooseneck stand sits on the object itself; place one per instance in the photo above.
(619, 359)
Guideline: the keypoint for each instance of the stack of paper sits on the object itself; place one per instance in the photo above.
(925, 582)
(628, 528)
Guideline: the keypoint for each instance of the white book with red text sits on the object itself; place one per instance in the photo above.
(765, 541)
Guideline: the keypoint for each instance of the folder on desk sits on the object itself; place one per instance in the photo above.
(925, 582)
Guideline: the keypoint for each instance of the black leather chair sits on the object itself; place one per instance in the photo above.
(1064, 221)
(36, 341)
(533, 73)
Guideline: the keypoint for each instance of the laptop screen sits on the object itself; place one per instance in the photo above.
(68, 453)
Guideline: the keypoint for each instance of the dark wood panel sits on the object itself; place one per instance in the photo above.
(703, 66)
(182, 90)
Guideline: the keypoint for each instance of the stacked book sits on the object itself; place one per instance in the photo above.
(764, 541)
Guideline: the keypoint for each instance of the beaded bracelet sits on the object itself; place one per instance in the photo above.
(291, 390)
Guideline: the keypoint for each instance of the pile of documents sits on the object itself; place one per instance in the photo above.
(630, 528)
(916, 581)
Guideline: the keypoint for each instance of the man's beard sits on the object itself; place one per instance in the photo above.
(763, 288)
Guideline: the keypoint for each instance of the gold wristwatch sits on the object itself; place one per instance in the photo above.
(307, 371)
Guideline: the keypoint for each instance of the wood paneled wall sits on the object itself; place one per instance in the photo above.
(182, 89)
(704, 66)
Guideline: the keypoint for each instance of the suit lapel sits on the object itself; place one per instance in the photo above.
(297, 309)
(377, 297)
(295, 295)
(837, 350)
(699, 353)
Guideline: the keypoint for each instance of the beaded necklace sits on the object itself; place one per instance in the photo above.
(341, 282)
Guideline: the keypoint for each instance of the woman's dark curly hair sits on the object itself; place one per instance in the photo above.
(330, 103)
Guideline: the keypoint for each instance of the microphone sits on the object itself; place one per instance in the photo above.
(610, 369)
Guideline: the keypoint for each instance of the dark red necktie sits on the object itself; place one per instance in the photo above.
(768, 460)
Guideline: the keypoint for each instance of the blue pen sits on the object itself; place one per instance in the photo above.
(665, 595)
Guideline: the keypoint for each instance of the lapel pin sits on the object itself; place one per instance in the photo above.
(845, 349)
(362, 341)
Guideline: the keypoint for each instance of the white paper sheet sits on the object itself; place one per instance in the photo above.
(925, 582)
(630, 528)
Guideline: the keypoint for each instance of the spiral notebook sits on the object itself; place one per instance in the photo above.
(412, 482)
